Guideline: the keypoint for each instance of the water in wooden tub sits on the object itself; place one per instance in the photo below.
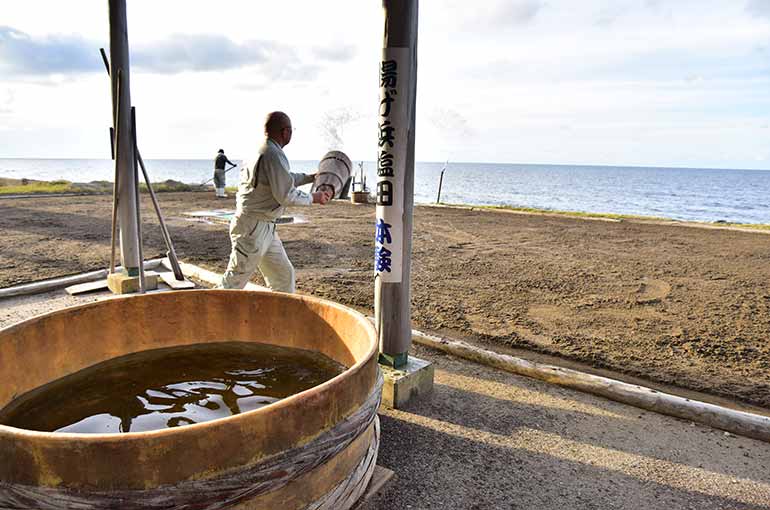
(169, 387)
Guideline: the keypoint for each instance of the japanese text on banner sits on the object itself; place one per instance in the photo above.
(391, 163)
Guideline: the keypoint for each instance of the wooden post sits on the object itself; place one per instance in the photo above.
(440, 181)
(124, 158)
(395, 181)
(171, 253)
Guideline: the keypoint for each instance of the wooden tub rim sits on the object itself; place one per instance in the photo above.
(292, 400)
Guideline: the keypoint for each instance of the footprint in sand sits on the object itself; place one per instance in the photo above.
(652, 291)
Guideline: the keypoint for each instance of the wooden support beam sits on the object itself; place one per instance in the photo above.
(121, 101)
(395, 181)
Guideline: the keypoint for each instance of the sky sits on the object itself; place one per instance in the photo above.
(673, 83)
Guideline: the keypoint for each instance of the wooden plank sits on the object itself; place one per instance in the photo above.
(170, 279)
(380, 478)
(82, 288)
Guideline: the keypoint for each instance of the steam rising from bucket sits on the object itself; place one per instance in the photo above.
(333, 125)
(335, 167)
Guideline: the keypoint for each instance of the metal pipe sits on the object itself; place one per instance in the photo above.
(66, 281)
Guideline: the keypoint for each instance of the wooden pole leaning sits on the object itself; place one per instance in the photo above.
(142, 281)
(113, 142)
(114, 132)
(392, 298)
(440, 182)
(171, 253)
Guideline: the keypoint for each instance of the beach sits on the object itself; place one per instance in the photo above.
(678, 306)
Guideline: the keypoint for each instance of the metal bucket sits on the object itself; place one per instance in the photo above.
(315, 449)
(333, 172)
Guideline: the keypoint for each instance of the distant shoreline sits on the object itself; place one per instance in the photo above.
(705, 195)
(762, 227)
(27, 188)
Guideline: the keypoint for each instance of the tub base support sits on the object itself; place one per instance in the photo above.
(405, 384)
(380, 478)
(121, 283)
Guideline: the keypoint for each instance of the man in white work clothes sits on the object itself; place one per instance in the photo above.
(265, 190)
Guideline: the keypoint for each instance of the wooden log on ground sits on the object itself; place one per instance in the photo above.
(206, 276)
(65, 281)
(719, 417)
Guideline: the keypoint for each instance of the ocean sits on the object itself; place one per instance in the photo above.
(688, 194)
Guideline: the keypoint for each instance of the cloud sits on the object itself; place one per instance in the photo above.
(201, 52)
(451, 124)
(24, 55)
(339, 53)
(759, 8)
(7, 104)
(515, 13)
(21, 54)
(204, 52)
(609, 15)
(467, 17)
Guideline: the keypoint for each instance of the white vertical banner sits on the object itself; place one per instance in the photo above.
(392, 128)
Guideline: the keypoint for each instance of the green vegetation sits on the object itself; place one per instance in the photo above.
(37, 187)
(32, 187)
(755, 226)
(168, 186)
(609, 216)
(578, 214)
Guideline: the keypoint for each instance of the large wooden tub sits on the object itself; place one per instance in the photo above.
(316, 449)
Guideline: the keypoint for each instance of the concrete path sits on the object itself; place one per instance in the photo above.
(492, 440)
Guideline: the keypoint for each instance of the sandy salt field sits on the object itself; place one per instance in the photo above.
(668, 303)
(659, 303)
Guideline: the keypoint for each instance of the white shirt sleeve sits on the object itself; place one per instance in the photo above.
(282, 183)
(301, 179)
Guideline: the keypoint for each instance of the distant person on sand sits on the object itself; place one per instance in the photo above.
(219, 173)
(265, 190)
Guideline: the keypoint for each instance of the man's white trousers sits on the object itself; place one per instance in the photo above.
(256, 245)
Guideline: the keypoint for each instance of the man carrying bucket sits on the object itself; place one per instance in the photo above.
(219, 172)
(265, 190)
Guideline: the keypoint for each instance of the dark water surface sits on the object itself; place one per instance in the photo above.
(170, 387)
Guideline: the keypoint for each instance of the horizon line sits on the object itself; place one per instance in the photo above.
(449, 163)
